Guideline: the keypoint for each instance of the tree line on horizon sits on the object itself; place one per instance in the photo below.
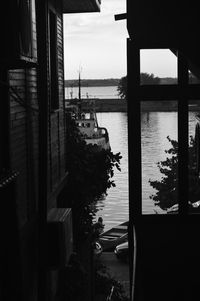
(150, 79)
(112, 81)
(121, 83)
(145, 79)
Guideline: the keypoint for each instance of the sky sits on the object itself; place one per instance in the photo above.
(95, 44)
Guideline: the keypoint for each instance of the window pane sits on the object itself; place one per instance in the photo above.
(159, 134)
(158, 63)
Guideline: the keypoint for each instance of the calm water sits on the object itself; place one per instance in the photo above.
(92, 92)
(114, 207)
(156, 126)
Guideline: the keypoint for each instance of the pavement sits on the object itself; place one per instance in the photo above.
(118, 269)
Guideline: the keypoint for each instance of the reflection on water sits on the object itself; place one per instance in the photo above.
(155, 127)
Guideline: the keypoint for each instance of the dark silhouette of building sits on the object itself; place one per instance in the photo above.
(165, 265)
(163, 247)
(32, 148)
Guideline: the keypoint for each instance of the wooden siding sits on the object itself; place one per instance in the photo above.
(24, 139)
(24, 152)
(25, 133)
(34, 36)
(56, 122)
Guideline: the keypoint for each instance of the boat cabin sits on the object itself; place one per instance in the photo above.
(88, 126)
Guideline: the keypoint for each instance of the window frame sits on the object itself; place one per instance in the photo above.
(53, 62)
(182, 92)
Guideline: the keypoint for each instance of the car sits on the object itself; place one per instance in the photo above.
(121, 251)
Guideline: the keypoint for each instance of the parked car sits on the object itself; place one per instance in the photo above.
(121, 251)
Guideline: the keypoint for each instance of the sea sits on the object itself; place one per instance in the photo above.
(155, 127)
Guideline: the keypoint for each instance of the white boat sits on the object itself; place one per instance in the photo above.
(84, 113)
(86, 121)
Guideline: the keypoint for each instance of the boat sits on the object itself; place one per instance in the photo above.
(84, 113)
(111, 238)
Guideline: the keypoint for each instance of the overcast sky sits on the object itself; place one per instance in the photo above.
(96, 43)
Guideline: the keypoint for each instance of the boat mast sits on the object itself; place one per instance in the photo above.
(79, 93)
(79, 85)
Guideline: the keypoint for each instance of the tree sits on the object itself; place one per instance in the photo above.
(149, 79)
(90, 173)
(122, 88)
(166, 195)
(104, 283)
(167, 190)
(145, 79)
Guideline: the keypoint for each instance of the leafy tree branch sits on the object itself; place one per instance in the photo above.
(166, 194)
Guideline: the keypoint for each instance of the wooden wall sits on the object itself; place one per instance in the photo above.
(56, 135)
(25, 132)
(24, 139)
(24, 146)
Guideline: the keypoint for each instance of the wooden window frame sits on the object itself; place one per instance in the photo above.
(182, 92)
(53, 62)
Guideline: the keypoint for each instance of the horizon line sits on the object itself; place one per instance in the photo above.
(113, 78)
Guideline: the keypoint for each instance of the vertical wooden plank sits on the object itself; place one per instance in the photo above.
(58, 134)
(134, 150)
(31, 176)
(134, 130)
(4, 121)
(42, 38)
(182, 136)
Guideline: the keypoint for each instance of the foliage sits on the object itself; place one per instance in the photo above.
(89, 168)
(122, 88)
(166, 194)
(167, 190)
(145, 79)
(104, 283)
(149, 79)
(72, 281)
(90, 175)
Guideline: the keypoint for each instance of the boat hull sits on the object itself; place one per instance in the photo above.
(101, 142)
(113, 237)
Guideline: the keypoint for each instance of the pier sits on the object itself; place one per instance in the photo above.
(104, 105)
(120, 105)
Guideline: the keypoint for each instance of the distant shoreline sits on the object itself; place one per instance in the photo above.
(107, 82)
(92, 82)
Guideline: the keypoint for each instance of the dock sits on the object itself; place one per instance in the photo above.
(105, 105)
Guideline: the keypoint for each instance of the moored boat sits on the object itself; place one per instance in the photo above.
(84, 113)
(114, 236)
